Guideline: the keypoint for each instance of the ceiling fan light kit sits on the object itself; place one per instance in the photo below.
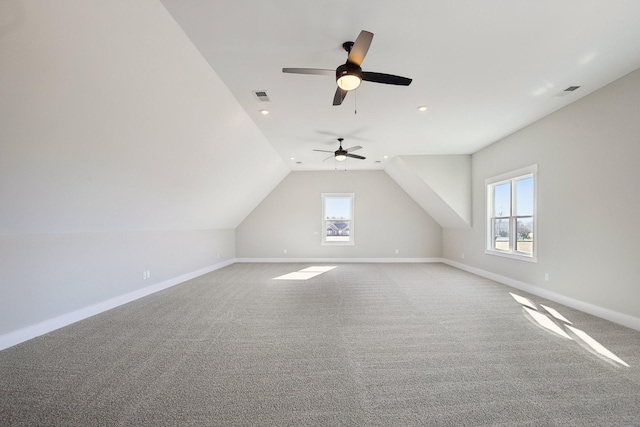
(349, 75)
(341, 154)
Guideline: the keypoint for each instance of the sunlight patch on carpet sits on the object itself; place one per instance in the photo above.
(546, 323)
(523, 301)
(306, 273)
(560, 326)
(555, 314)
(321, 268)
(596, 346)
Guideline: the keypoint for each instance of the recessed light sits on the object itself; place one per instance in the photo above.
(422, 108)
(292, 158)
(264, 112)
(385, 157)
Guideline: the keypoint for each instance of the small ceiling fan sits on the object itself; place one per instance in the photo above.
(349, 75)
(341, 153)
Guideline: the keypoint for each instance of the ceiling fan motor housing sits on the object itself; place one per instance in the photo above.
(349, 75)
(349, 70)
(340, 154)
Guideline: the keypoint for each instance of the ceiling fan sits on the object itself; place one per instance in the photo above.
(341, 153)
(349, 75)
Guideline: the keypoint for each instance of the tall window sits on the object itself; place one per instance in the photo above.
(337, 218)
(511, 214)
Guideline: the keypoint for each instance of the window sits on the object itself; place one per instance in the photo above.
(337, 219)
(511, 214)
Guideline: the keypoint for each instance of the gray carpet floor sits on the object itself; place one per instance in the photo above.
(360, 345)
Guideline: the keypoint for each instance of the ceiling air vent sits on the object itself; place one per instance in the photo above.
(261, 95)
(567, 91)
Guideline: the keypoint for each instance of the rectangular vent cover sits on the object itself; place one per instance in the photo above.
(567, 91)
(261, 95)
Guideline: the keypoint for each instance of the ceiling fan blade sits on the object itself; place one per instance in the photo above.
(355, 156)
(389, 79)
(324, 151)
(360, 47)
(350, 135)
(357, 147)
(309, 71)
(339, 96)
(330, 157)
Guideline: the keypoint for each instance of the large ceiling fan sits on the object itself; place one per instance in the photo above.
(349, 75)
(341, 153)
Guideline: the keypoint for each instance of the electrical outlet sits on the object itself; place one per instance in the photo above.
(397, 251)
(285, 251)
(546, 277)
(463, 255)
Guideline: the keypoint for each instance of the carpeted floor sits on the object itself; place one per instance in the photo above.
(360, 345)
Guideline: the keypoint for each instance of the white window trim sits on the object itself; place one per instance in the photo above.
(529, 170)
(351, 242)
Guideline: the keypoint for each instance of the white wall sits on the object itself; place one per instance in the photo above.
(121, 151)
(588, 155)
(386, 219)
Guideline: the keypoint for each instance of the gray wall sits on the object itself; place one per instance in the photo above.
(115, 157)
(386, 219)
(45, 276)
(588, 155)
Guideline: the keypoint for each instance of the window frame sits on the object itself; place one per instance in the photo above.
(512, 177)
(351, 220)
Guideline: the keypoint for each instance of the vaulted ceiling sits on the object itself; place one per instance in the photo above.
(142, 115)
(483, 69)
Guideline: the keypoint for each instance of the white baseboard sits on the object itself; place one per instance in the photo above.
(21, 335)
(16, 337)
(341, 260)
(604, 313)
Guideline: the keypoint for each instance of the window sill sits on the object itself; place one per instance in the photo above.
(511, 255)
(337, 243)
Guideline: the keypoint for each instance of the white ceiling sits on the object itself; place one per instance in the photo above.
(484, 69)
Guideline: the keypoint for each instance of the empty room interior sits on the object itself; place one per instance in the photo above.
(319, 213)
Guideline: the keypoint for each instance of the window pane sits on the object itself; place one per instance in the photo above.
(501, 234)
(502, 200)
(524, 197)
(337, 231)
(337, 218)
(524, 238)
(337, 208)
(511, 214)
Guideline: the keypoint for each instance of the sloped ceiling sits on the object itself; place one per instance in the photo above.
(483, 68)
(441, 185)
(141, 115)
(113, 121)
